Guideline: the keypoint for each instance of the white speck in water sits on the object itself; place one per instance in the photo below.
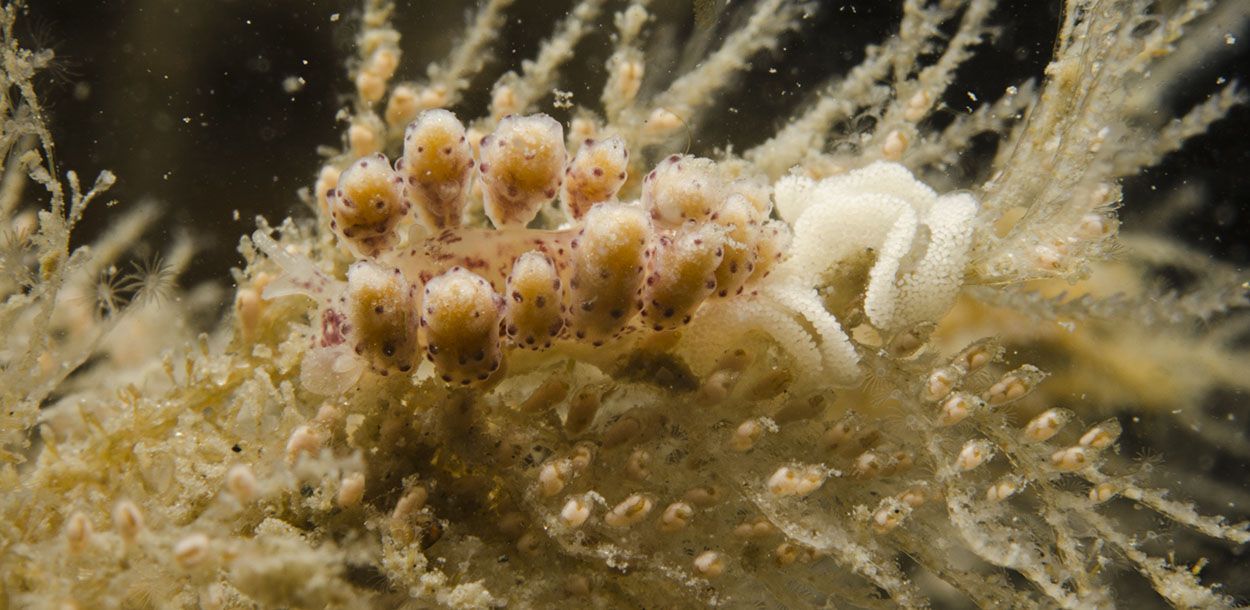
(293, 84)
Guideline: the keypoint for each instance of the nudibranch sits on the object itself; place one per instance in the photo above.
(427, 286)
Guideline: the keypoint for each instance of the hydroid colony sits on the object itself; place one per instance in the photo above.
(510, 360)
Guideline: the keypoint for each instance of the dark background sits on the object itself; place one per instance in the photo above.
(185, 102)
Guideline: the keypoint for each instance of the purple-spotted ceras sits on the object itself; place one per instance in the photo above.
(462, 297)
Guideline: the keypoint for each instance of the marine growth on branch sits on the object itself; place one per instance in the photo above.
(509, 359)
